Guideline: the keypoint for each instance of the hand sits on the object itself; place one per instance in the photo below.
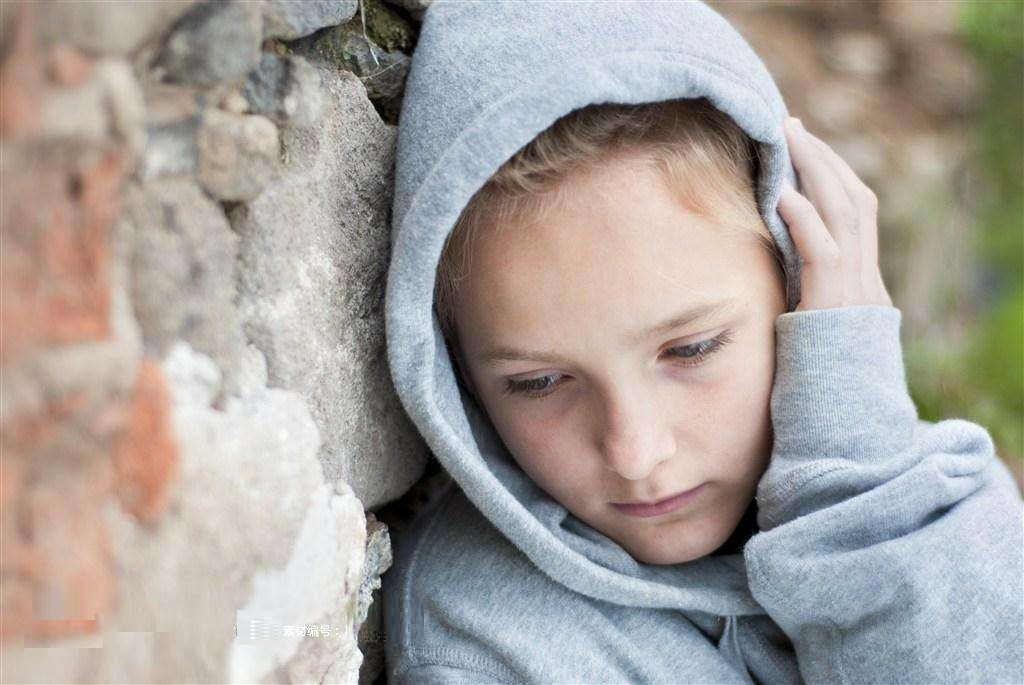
(835, 231)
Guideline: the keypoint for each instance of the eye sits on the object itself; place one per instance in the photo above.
(532, 387)
(696, 353)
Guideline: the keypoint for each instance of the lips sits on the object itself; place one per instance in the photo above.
(646, 509)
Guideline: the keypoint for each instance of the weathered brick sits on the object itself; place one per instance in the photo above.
(57, 566)
(21, 75)
(20, 564)
(68, 67)
(56, 236)
(76, 580)
(146, 455)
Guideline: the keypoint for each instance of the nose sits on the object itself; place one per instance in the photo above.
(635, 438)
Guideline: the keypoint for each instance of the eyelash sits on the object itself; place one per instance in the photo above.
(704, 348)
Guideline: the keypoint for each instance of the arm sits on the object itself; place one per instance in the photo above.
(888, 552)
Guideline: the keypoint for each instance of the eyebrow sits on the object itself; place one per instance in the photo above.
(688, 316)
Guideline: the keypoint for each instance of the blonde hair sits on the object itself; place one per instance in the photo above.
(705, 156)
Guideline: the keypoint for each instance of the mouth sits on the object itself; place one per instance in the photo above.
(669, 504)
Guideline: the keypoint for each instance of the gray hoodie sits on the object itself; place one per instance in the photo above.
(880, 548)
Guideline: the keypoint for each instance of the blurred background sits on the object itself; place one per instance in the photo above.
(925, 100)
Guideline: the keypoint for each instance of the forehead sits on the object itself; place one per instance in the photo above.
(617, 243)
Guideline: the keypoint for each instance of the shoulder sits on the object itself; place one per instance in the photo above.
(456, 590)
(452, 546)
(452, 557)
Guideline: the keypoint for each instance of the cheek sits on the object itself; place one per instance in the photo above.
(740, 386)
(545, 448)
(749, 406)
(733, 414)
(755, 368)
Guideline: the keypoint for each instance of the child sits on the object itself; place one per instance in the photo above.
(605, 292)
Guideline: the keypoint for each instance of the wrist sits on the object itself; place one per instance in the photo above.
(840, 386)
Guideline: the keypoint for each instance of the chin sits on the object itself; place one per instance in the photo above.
(667, 555)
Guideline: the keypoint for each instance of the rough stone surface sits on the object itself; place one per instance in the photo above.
(156, 497)
(77, 335)
(413, 5)
(145, 456)
(68, 362)
(284, 89)
(108, 26)
(62, 242)
(378, 561)
(288, 20)
(237, 154)
(214, 42)
(170, 102)
(173, 116)
(381, 71)
(321, 340)
(183, 270)
(252, 531)
(170, 148)
(110, 101)
(385, 27)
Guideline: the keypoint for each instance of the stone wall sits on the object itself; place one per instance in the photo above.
(199, 434)
(197, 412)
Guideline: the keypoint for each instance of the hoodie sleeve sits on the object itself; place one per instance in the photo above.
(890, 549)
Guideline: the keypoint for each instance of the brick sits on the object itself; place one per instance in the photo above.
(146, 455)
(57, 567)
(21, 75)
(68, 67)
(76, 580)
(56, 226)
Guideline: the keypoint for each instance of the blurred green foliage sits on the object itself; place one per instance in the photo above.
(984, 381)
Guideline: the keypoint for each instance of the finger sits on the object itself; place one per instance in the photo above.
(846, 232)
(820, 182)
(867, 209)
(848, 235)
(820, 281)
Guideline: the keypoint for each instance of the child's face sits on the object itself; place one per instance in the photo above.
(624, 418)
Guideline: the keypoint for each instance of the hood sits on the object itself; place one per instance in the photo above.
(486, 78)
